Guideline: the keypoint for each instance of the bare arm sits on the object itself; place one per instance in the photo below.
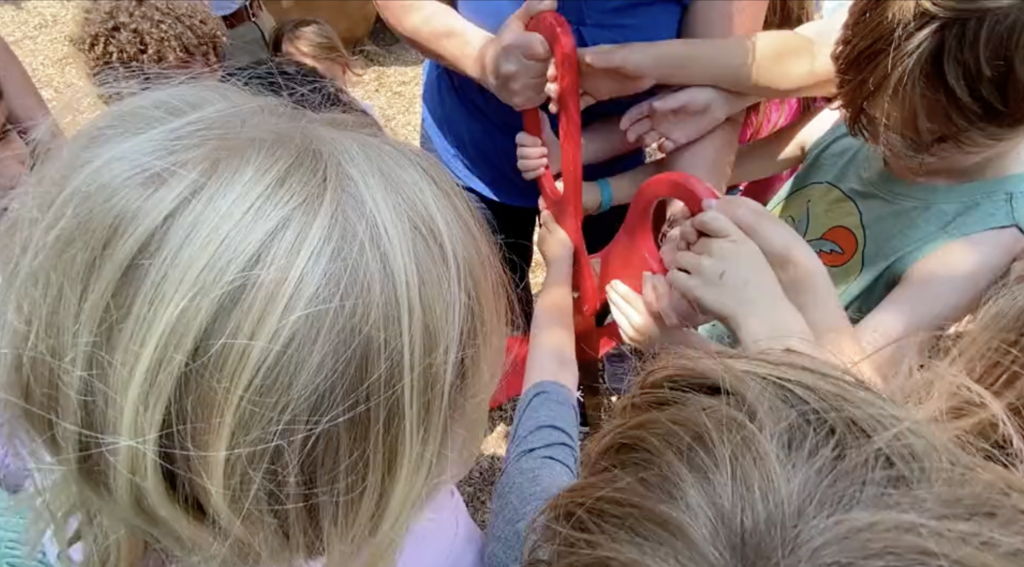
(552, 354)
(937, 291)
(711, 157)
(763, 158)
(767, 64)
(439, 32)
(783, 149)
(513, 63)
(604, 140)
(770, 64)
(26, 109)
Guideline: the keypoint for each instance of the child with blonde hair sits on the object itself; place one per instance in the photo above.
(240, 333)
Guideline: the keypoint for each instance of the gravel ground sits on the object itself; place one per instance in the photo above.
(40, 31)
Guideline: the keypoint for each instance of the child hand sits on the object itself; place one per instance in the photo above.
(612, 71)
(533, 154)
(555, 247)
(677, 118)
(657, 316)
(802, 275)
(726, 274)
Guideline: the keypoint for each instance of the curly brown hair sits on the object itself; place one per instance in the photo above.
(143, 35)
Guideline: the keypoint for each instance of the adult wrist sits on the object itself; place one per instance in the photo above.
(484, 49)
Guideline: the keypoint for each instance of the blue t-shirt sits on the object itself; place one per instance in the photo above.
(473, 133)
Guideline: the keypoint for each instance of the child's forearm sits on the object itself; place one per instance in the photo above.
(711, 157)
(552, 355)
(605, 140)
(771, 64)
(781, 150)
(623, 185)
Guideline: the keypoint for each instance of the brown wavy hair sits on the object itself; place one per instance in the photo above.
(776, 460)
(926, 80)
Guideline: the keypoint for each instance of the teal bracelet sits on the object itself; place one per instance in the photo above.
(606, 194)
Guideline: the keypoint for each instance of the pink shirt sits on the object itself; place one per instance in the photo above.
(443, 536)
(778, 114)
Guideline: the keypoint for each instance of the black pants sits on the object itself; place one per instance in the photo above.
(513, 227)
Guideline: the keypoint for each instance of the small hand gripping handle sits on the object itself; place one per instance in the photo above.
(566, 206)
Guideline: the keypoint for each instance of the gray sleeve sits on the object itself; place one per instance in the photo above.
(542, 459)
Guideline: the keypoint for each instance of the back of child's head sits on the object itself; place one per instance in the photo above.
(244, 333)
(773, 461)
(788, 14)
(314, 42)
(123, 41)
(972, 378)
(933, 83)
(297, 83)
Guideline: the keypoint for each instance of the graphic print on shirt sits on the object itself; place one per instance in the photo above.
(831, 222)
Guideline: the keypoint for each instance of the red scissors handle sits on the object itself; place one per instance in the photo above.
(632, 252)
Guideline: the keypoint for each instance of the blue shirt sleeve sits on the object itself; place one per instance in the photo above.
(542, 459)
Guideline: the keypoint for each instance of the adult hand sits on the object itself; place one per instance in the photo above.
(516, 63)
(612, 71)
(674, 119)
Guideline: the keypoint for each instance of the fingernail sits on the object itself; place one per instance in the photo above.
(708, 204)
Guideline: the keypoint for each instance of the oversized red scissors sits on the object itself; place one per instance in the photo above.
(632, 252)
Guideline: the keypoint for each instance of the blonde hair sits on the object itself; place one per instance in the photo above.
(776, 460)
(245, 333)
(313, 38)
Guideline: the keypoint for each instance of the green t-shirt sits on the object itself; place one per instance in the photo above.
(869, 227)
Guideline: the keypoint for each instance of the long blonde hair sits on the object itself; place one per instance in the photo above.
(246, 334)
(776, 460)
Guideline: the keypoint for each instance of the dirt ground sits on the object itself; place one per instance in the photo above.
(40, 31)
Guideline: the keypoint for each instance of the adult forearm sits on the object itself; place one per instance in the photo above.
(439, 33)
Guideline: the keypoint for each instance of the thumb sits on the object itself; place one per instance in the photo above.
(715, 225)
(601, 57)
(528, 10)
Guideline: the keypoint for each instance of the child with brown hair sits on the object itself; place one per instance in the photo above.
(910, 193)
(314, 42)
(773, 460)
(720, 457)
(123, 41)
